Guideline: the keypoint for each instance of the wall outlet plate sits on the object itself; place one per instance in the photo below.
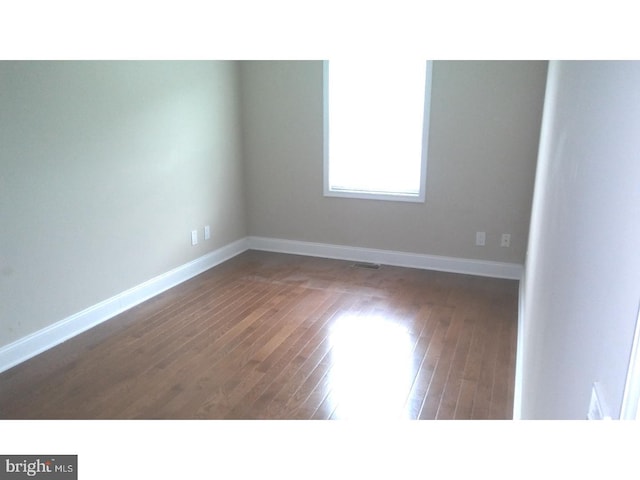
(194, 237)
(597, 406)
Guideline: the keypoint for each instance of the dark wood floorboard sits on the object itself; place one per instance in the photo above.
(274, 336)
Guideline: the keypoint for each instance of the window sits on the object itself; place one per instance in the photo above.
(376, 116)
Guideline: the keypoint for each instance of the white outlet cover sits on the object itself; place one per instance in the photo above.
(597, 406)
(207, 232)
(194, 237)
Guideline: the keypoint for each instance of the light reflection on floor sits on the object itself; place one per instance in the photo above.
(371, 369)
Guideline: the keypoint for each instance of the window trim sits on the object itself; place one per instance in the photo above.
(421, 196)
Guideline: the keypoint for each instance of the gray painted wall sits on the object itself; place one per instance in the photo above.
(105, 168)
(485, 125)
(582, 282)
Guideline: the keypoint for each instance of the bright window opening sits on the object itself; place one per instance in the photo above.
(376, 128)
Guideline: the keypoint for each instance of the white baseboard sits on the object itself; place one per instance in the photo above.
(31, 345)
(483, 268)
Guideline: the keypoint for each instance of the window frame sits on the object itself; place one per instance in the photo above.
(368, 195)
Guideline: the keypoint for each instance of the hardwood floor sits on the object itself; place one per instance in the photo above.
(273, 336)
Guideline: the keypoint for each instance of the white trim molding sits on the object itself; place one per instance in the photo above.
(517, 391)
(512, 271)
(42, 340)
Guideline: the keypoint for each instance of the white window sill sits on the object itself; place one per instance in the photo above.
(374, 196)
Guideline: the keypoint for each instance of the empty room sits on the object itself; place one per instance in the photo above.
(267, 240)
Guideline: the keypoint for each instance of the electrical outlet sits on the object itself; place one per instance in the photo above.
(481, 238)
(505, 241)
(194, 237)
(207, 232)
(597, 407)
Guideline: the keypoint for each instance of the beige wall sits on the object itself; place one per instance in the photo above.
(105, 167)
(485, 124)
(583, 270)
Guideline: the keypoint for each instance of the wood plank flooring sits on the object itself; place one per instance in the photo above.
(274, 336)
